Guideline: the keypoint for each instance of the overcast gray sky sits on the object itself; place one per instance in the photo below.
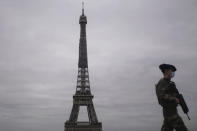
(127, 40)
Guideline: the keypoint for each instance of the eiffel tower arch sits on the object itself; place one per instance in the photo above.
(83, 96)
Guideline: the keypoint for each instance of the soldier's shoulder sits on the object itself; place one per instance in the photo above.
(162, 82)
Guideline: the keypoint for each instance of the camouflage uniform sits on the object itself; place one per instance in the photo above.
(166, 91)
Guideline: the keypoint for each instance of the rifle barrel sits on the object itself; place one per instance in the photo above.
(188, 117)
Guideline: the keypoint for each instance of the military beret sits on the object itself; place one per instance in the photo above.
(163, 67)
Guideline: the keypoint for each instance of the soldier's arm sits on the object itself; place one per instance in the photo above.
(176, 92)
(162, 94)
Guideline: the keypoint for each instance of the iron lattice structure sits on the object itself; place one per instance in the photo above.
(83, 96)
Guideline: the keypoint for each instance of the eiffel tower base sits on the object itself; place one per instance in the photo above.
(82, 126)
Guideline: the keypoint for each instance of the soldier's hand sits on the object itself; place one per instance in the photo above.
(177, 100)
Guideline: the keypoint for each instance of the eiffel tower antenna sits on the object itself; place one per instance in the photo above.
(83, 95)
(82, 8)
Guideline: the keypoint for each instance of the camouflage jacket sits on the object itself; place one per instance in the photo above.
(166, 91)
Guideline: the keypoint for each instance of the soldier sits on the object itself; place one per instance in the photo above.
(166, 93)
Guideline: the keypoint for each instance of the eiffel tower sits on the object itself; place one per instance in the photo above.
(83, 96)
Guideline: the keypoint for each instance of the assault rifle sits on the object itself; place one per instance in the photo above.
(182, 102)
(183, 105)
